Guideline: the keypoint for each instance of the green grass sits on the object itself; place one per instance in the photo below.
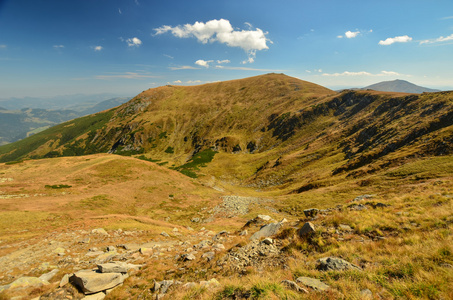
(196, 162)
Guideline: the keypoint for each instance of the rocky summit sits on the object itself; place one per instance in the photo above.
(267, 187)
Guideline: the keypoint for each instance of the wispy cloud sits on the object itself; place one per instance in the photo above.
(125, 75)
(221, 31)
(3, 47)
(396, 39)
(183, 68)
(203, 63)
(194, 81)
(169, 56)
(362, 73)
(447, 18)
(58, 46)
(438, 40)
(119, 11)
(98, 48)
(248, 69)
(225, 61)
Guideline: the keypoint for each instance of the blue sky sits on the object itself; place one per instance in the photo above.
(58, 47)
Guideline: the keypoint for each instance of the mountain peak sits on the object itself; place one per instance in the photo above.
(399, 85)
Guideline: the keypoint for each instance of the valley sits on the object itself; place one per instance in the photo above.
(235, 190)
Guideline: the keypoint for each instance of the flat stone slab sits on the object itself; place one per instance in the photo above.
(313, 283)
(335, 264)
(91, 282)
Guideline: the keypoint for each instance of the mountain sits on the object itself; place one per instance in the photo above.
(182, 180)
(286, 123)
(400, 86)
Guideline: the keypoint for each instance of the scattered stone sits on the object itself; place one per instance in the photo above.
(165, 234)
(243, 233)
(265, 217)
(218, 247)
(266, 231)
(311, 212)
(85, 241)
(146, 251)
(313, 283)
(59, 251)
(362, 197)
(111, 248)
(123, 246)
(195, 220)
(188, 257)
(49, 276)
(366, 294)
(99, 231)
(175, 229)
(358, 207)
(307, 229)
(345, 227)
(212, 283)
(90, 281)
(162, 287)
(24, 282)
(189, 285)
(113, 267)
(105, 257)
(294, 286)
(268, 241)
(208, 255)
(335, 264)
(65, 280)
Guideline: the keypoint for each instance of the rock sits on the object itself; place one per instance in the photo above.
(24, 282)
(123, 246)
(345, 227)
(294, 286)
(95, 253)
(163, 233)
(218, 247)
(163, 286)
(195, 220)
(90, 282)
(284, 220)
(307, 229)
(268, 241)
(311, 212)
(97, 296)
(265, 217)
(189, 285)
(99, 231)
(111, 248)
(105, 257)
(266, 231)
(366, 294)
(146, 251)
(243, 233)
(65, 280)
(313, 283)
(113, 267)
(59, 251)
(358, 207)
(208, 255)
(335, 264)
(212, 283)
(49, 276)
(188, 257)
(362, 197)
(85, 241)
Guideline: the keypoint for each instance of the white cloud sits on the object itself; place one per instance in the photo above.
(350, 34)
(221, 31)
(248, 69)
(438, 40)
(177, 81)
(362, 73)
(97, 48)
(169, 56)
(119, 10)
(225, 61)
(396, 39)
(134, 42)
(125, 75)
(183, 68)
(447, 18)
(339, 36)
(193, 81)
(58, 46)
(2, 46)
(203, 63)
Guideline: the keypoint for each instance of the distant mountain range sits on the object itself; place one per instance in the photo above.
(18, 122)
(400, 86)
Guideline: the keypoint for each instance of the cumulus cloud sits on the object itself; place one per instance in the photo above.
(220, 31)
(350, 34)
(177, 81)
(396, 39)
(438, 40)
(97, 48)
(203, 63)
(362, 73)
(134, 42)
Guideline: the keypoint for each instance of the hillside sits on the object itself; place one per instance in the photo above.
(183, 184)
(400, 86)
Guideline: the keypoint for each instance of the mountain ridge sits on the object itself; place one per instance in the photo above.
(399, 85)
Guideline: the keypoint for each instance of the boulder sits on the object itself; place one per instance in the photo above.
(48, 276)
(311, 212)
(163, 233)
(117, 267)
(188, 257)
(208, 255)
(294, 286)
(306, 230)
(99, 231)
(105, 257)
(266, 231)
(313, 283)
(335, 264)
(366, 294)
(65, 280)
(268, 241)
(90, 282)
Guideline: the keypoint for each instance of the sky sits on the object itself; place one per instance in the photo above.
(62, 47)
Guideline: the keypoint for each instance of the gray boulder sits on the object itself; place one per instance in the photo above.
(335, 264)
(307, 229)
(311, 212)
(313, 283)
(91, 282)
(266, 231)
